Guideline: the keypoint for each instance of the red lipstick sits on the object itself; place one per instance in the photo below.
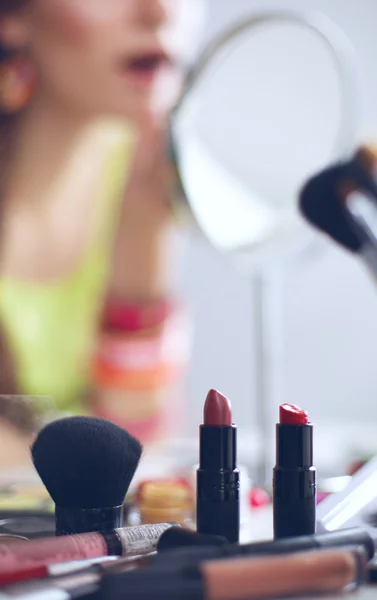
(294, 480)
(290, 414)
(218, 510)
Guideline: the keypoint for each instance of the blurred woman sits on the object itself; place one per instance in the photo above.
(87, 305)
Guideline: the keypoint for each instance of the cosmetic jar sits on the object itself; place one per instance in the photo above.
(161, 501)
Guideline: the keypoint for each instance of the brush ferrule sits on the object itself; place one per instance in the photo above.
(85, 520)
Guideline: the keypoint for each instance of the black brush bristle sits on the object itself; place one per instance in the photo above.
(320, 204)
(86, 462)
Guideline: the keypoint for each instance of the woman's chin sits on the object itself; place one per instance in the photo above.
(147, 118)
(154, 106)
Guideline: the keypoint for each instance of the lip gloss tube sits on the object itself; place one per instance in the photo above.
(126, 541)
(324, 571)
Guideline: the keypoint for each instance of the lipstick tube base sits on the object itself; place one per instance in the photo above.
(220, 519)
(294, 518)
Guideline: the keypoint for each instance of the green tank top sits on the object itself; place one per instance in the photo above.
(51, 327)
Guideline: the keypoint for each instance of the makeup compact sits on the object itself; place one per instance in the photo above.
(26, 511)
(11, 539)
(31, 525)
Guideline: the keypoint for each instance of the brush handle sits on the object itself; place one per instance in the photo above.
(85, 520)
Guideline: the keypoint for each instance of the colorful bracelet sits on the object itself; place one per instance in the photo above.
(148, 360)
(138, 366)
(110, 378)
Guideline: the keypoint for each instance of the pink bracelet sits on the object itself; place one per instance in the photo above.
(170, 346)
(119, 316)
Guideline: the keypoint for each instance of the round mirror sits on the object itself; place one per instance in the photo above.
(269, 103)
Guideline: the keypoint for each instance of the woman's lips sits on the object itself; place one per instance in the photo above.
(144, 69)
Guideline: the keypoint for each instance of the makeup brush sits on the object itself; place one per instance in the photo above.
(299, 575)
(87, 465)
(179, 537)
(341, 201)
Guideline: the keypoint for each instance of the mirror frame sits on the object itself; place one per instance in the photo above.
(344, 57)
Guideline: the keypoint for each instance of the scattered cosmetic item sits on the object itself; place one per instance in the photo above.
(176, 541)
(56, 570)
(331, 485)
(371, 576)
(29, 524)
(71, 585)
(218, 503)
(127, 541)
(341, 201)
(165, 501)
(12, 500)
(11, 539)
(357, 464)
(192, 556)
(354, 506)
(258, 498)
(26, 510)
(294, 480)
(87, 465)
(321, 496)
(178, 537)
(242, 578)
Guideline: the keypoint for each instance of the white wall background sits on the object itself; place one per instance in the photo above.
(329, 310)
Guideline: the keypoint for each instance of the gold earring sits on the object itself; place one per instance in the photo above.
(17, 83)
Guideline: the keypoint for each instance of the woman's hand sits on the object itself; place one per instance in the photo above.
(146, 199)
(141, 394)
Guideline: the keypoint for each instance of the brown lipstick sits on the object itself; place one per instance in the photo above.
(218, 505)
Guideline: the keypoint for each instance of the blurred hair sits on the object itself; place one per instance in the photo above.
(8, 379)
(6, 120)
(10, 5)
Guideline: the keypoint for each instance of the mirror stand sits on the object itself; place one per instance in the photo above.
(268, 337)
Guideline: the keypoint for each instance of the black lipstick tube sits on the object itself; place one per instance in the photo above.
(218, 482)
(294, 482)
(69, 521)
